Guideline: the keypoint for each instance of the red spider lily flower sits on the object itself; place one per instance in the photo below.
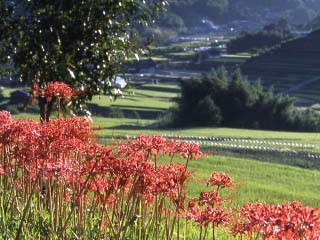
(85, 199)
(53, 169)
(220, 180)
(151, 144)
(286, 221)
(208, 215)
(191, 204)
(178, 201)
(67, 197)
(108, 201)
(58, 89)
(210, 199)
(157, 144)
(207, 210)
(15, 132)
(99, 184)
(71, 128)
(112, 199)
(2, 173)
(238, 227)
(187, 150)
(5, 117)
(169, 179)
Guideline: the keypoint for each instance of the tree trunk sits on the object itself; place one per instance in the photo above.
(49, 109)
(45, 108)
(42, 105)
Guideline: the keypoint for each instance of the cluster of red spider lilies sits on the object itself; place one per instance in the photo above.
(56, 181)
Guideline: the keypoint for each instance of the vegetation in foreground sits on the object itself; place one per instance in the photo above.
(63, 185)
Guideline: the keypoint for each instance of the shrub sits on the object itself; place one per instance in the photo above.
(208, 112)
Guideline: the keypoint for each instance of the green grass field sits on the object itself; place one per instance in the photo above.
(109, 123)
(259, 181)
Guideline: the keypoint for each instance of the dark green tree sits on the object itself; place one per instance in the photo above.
(214, 101)
(208, 113)
(82, 43)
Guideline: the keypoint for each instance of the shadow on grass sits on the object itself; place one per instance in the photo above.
(128, 107)
(149, 96)
(129, 126)
(159, 89)
(145, 113)
(16, 107)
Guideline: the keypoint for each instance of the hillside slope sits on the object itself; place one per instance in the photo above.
(191, 13)
(292, 68)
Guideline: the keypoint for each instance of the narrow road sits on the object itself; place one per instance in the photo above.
(300, 85)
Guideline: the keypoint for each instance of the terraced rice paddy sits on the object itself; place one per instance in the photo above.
(292, 68)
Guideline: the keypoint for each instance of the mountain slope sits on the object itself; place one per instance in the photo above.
(192, 11)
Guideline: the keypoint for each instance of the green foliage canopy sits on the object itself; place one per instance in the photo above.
(82, 43)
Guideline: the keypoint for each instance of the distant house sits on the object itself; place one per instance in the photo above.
(119, 82)
(142, 66)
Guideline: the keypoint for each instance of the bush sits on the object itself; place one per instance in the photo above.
(208, 112)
